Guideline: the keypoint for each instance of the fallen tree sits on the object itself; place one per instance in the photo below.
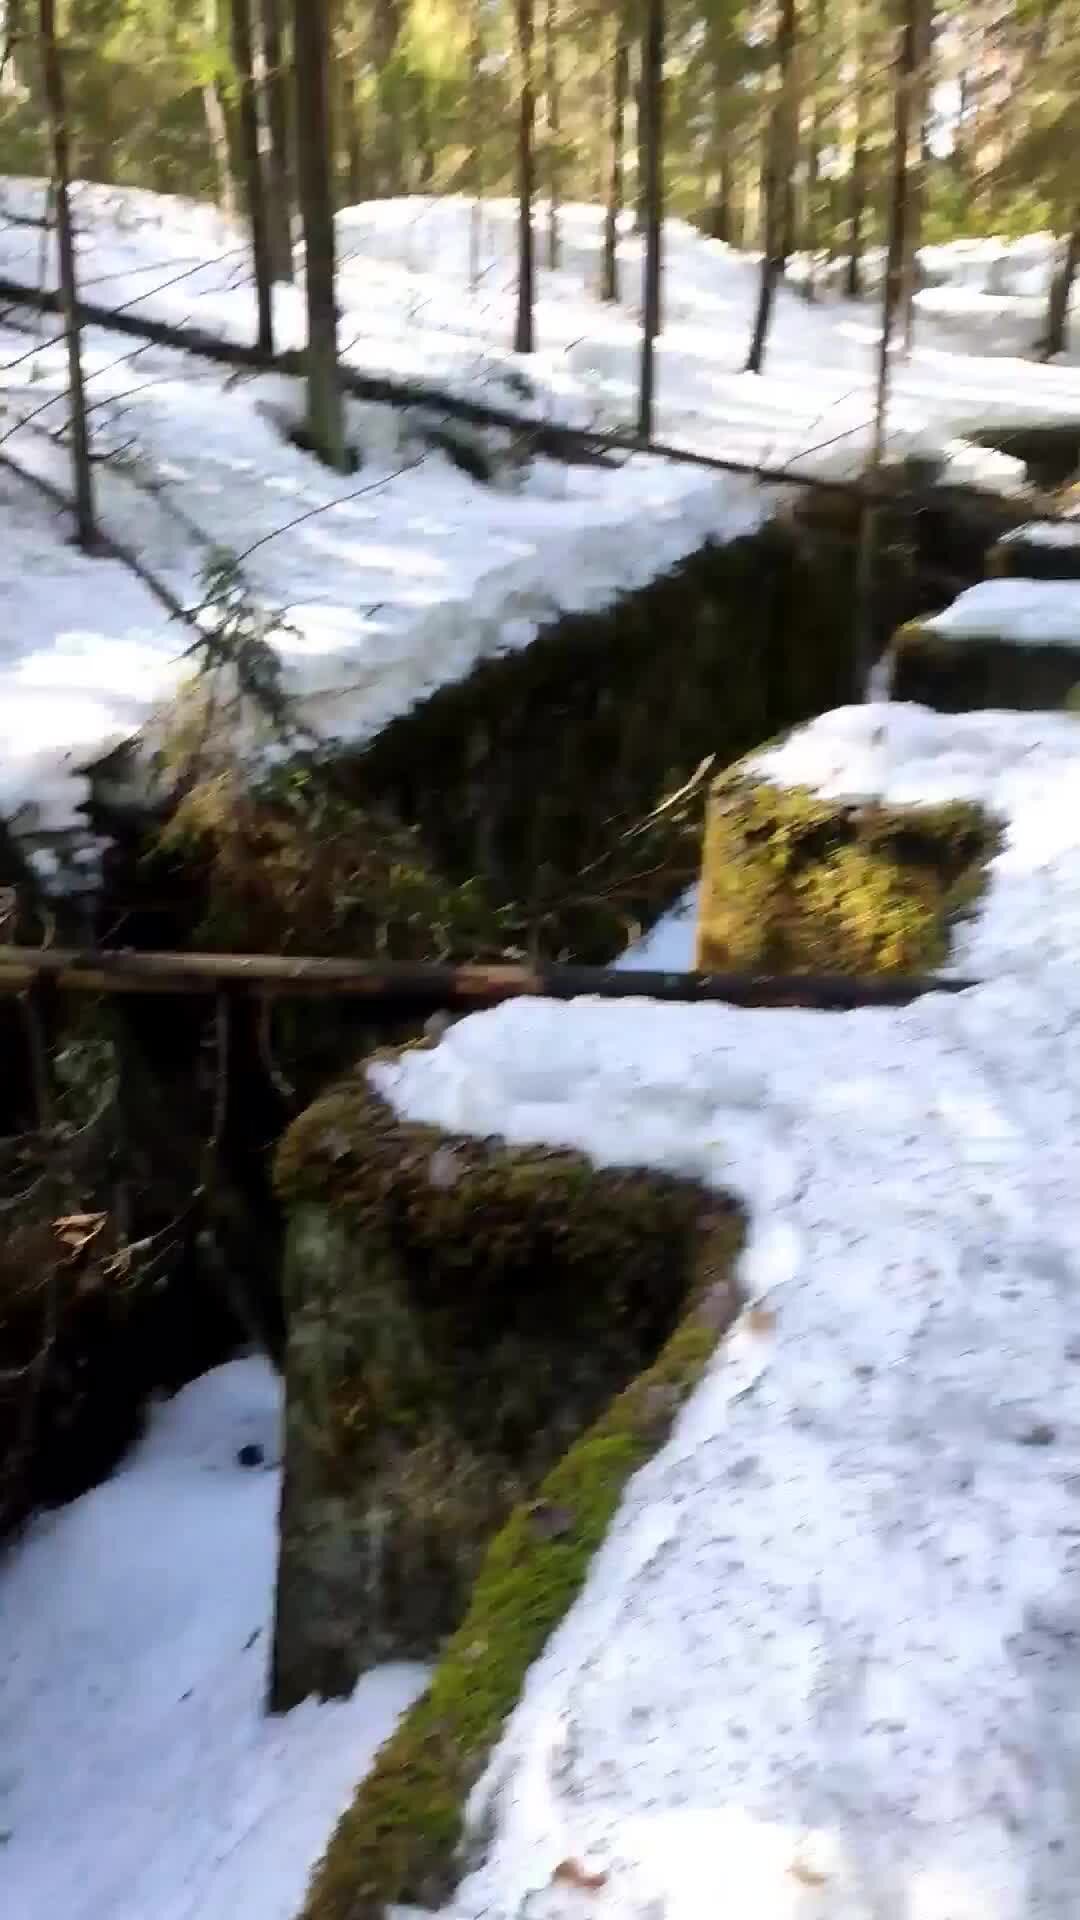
(434, 988)
(544, 436)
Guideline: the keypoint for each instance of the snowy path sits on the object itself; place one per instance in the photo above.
(139, 1779)
(825, 1667)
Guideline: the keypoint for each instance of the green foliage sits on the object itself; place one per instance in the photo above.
(234, 655)
(794, 883)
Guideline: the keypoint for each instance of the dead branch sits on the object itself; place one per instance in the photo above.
(432, 987)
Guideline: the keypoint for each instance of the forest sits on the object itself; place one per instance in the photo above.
(539, 901)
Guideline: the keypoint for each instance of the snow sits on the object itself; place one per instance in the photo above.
(139, 1778)
(825, 1665)
(1045, 533)
(669, 945)
(403, 578)
(1026, 613)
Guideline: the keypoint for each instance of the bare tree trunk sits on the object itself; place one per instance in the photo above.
(553, 116)
(243, 50)
(524, 334)
(789, 146)
(907, 61)
(917, 163)
(311, 54)
(279, 170)
(620, 86)
(389, 142)
(652, 102)
(425, 145)
(56, 109)
(812, 238)
(475, 164)
(857, 190)
(640, 138)
(1057, 307)
(718, 213)
(776, 172)
(353, 135)
(217, 119)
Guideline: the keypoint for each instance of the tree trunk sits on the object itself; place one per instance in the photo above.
(243, 51)
(620, 86)
(718, 213)
(55, 106)
(553, 116)
(640, 140)
(425, 145)
(776, 175)
(524, 335)
(279, 170)
(789, 140)
(857, 182)
(474, 181)
(812, 238)
(652, 101)
(311, 51)
(217, 119)
(906, 70)
(1057, 308)
(355, 170)
(918, 151)
(389, 143)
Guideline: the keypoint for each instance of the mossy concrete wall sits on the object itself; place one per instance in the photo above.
(459, 1312)
(403, 1840)
(792, 883)
(961, 675)
(525, 772)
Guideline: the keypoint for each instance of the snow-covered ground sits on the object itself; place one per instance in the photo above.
(139, 1778)
(826, 1665)
(401, 578)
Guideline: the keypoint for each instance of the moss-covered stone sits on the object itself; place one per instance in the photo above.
(401, 1840)
(792, 883)
(959, 675)
(1020, 558)
(459, 1311)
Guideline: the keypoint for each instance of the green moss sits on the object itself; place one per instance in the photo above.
(460, 1312)
(795, 883)
(400, 1840)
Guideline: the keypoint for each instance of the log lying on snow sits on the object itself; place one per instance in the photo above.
(433, 988)
(545, 436)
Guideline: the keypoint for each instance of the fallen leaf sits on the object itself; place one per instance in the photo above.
(76, 1230)
(573, 1874)
(809, 1876)
(760, 1320)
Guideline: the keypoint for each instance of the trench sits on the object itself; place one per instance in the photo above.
(523, 797)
